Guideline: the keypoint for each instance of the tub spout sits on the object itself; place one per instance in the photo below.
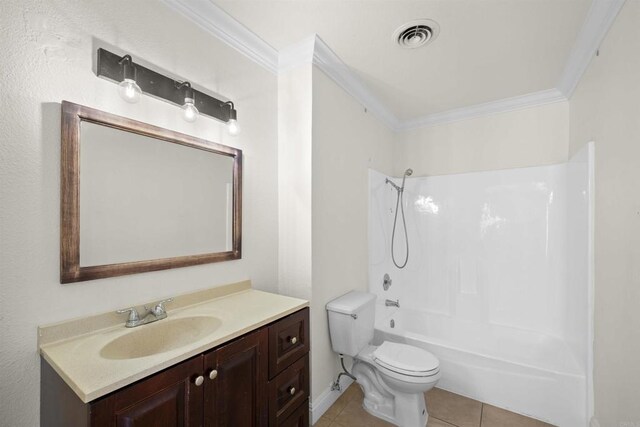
(392, 303)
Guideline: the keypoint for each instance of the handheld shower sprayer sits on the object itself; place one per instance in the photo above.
(400, 189)
(399, 203)
(407, 173)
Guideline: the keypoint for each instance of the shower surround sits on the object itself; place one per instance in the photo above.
(498, 283)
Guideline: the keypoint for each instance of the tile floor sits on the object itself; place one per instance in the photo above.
(445, 410)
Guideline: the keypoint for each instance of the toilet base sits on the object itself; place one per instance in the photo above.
(410, 411)
(401, 409)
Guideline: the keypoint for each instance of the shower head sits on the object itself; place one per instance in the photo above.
(400, 188)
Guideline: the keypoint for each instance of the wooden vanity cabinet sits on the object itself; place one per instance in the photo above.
(230, 385)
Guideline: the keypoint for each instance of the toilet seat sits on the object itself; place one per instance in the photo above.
(405, 360)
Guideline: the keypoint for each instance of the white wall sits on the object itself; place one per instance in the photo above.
(294, 181)
(605, 109)
(530, 137)
(48, 50)
(347, 141)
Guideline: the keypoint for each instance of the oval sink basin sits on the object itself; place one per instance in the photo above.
(159, 337)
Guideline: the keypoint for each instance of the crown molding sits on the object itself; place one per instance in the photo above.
(226, 28)
(488, 108)
(331, 64)
(600, 17)
(297, 54)
(313, 50)
(216, 21)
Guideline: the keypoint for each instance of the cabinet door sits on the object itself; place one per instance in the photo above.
(235, 392)
(169, 398)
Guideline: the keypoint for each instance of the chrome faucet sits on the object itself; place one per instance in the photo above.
(392, 303)
(158, 312)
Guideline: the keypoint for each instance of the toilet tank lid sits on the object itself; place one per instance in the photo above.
(351, 303)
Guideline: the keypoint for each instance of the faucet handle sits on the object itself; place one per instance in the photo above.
(386, 281)
(159, 309)
(163, 302)
(133, 314)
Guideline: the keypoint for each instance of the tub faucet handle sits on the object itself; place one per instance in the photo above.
(386, 282)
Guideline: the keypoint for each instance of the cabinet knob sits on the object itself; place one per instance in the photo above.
(292, 391)
(213, 374)
(293, 340)
(199, 380)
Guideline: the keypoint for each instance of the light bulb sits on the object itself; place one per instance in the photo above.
(129, 90)
(232, 123)
(232, 127)
(189, 110)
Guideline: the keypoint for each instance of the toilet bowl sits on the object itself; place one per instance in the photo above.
(393, 376)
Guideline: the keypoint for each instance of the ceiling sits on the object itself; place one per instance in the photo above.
(487, 50)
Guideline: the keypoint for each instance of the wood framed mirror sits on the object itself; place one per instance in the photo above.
(137, 197)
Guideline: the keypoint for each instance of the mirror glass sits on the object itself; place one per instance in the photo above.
(143, 198)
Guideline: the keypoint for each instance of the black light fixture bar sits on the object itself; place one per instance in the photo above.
(155, 84)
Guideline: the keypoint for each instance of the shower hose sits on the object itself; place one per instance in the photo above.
(399, 203)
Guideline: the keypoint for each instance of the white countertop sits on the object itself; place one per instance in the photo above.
(78, 361)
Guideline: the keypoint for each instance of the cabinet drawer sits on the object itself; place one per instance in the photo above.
(288, 341)
(299, 418)
(288, 390)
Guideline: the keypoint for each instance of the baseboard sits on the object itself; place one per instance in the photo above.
(328, 397)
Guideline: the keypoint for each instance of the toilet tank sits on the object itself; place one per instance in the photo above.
(351, 320)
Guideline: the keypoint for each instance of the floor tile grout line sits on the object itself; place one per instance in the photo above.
(481, 413)
(444, 421)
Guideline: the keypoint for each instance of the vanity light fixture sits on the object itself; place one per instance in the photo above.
(232, 125)
(134, 79)
(128, 88)
(189, 110)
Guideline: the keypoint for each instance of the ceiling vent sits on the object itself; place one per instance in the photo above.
(415, 34)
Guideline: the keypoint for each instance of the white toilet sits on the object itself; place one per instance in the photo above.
(393, 376)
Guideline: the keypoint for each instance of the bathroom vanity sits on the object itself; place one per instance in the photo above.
(250, 368)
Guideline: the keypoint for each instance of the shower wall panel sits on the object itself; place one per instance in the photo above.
(490, 247)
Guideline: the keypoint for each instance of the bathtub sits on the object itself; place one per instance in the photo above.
(523, 371)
